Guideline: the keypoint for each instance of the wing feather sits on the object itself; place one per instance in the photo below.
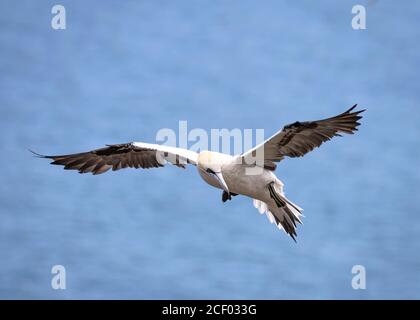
(119, 156)
(299, 138)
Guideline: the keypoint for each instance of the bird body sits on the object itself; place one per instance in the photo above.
(234, 178)
(235, 175)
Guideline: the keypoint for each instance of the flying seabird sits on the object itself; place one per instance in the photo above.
(232, 174)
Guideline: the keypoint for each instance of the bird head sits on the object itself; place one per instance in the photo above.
(211, 164)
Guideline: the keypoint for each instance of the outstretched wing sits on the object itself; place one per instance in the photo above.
(298, 138)
(120, 156)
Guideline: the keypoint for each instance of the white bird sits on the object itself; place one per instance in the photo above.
(224, 171)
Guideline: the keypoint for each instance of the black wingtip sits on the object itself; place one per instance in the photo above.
(293, 237)
(36, 154)
(351, 109)
(356, 112)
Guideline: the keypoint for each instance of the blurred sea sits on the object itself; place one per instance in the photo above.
(122, 70)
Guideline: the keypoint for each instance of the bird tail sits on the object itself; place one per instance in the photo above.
(281, 211)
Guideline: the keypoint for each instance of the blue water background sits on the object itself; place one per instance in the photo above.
(122, 70)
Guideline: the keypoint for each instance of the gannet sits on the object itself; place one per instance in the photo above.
(226, 172)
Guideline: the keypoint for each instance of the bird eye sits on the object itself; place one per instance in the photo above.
(208, 170)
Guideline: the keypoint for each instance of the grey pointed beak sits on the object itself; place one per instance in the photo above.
(222, 182)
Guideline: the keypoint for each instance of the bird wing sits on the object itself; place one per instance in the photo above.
(298, 138)
(120, 156)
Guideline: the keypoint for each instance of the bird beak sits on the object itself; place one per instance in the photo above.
(222, 181)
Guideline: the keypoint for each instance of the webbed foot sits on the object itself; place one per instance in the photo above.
(227, 196)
